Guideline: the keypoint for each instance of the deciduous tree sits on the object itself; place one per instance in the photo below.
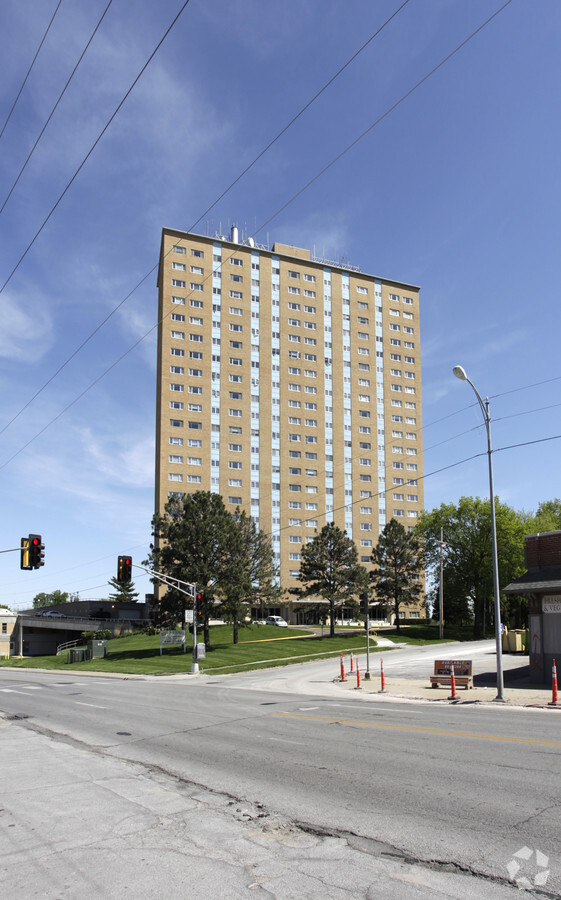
(53, 598)
(468, 563)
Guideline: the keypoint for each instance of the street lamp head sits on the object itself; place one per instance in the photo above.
(460, 373)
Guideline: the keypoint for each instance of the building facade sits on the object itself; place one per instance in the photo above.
(291, 386)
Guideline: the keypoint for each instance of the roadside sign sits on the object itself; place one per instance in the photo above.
(188, 616)
(169, 638)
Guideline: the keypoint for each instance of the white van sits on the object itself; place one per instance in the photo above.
(276, 620)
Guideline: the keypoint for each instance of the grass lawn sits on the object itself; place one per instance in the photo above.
(259, 647)
(427, 633)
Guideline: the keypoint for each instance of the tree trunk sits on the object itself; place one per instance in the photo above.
(331, 618)
(235, 630)
(477, 619)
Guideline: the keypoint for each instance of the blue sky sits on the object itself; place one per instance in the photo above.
(457, 190)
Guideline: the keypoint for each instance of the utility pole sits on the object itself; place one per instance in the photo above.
(441, 588)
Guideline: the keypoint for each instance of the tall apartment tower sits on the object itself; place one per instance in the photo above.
(291, 386)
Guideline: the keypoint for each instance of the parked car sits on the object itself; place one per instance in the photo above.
(54, 615)
(276, 620)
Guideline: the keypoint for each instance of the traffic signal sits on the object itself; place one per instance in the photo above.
(35, 552)
(124, 569)
(24, 555)
(364, 601)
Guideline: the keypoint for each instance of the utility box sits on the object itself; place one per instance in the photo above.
(97, 649)
(515, 641)
(201, 651)
(76, 654)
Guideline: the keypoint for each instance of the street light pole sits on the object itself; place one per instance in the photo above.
(460, 373)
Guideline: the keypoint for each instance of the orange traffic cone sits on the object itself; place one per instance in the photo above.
(358, 686)
(453, 695)
(382, 677)
(554, 700)
(342, 668)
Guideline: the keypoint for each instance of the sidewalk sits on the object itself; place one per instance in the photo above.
(518, 689)
(80, 823)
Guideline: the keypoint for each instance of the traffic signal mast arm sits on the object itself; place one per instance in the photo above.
(190, 588)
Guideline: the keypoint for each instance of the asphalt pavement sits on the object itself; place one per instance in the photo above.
(518, 690)
(80, 819)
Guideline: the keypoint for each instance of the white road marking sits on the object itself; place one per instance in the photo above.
(90, 704)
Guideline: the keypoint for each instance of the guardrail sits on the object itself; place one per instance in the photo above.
(87, 618)
(67, 645)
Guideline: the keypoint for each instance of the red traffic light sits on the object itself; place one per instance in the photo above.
(124, 569)
(36, 554)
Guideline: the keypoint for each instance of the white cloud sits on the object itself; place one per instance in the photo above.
(25, 327)
(122, 459)
(325, 235)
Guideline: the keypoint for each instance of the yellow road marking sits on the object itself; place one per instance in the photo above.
(462, 734)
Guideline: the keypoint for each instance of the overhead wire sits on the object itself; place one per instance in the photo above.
(92, 148)
(194, 224)
(377, 494)
(52, 112)
(29, 69)
(257, 229)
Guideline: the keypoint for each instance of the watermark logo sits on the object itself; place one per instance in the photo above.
(529, 869)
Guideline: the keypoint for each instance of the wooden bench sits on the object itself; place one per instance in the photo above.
(462, 673)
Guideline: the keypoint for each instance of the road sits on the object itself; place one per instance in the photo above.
(449, 789)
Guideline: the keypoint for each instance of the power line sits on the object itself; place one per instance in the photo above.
(381, 118)
(223, 194)
(21, 171)
(30, 68)
(92, 148)
(260, 228)
(298, 114)
(377, 494)
(525, 387)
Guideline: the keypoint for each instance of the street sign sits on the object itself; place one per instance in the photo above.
(188, 616)
(169, 638)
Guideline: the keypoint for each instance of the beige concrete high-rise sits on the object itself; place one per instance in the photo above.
(291, 386)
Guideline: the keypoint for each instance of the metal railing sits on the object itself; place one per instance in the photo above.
(67, 645)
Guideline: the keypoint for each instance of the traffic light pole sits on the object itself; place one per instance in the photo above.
(190, 590)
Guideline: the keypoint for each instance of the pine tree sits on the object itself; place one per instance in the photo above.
(124, 591)
(192, 542)
(330, 568)
(398, 563)
(253, 571)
